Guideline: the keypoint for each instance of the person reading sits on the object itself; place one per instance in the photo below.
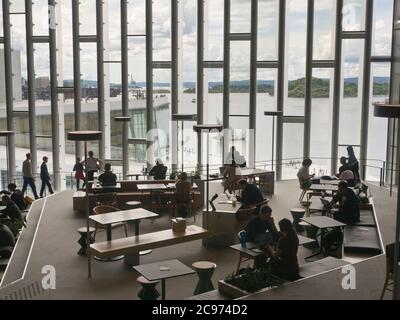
(285, 264)
(305, 179)
(250, 194)
(347, 202)
(108, 178)
(261, 229)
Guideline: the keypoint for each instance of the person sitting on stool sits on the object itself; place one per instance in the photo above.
(108, 178)
(261, 229)
(349, 212)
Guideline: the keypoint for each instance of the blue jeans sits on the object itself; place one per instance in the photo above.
(29, 181)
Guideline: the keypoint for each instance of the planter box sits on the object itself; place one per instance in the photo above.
(235, 292)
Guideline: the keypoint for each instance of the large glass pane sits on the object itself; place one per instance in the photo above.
(324, 29)
(350, 110)
(162, 30)
(296, 57)
(321, 120)
(240, 75)
(382, 28)
(40, 14)
(377, 129)
(87, 17)
(137, 17)
(293, 134)
(267, 30)
(266, 101)
(1, 19)
(240, 16)
(114, 30)
(214, 96)
(354, 15)
(215, 32)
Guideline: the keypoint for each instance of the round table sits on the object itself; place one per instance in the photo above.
(205, 270)
(82, 240)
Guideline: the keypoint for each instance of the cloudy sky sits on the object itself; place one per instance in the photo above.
(240, 16)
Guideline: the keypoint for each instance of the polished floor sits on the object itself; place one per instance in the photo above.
(54, 243)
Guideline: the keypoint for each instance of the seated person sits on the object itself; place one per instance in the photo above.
(305, 179)
(349, 212)
(108, 178)
(16, 196)
(349, 177)
(344, 166)
(183, 188)
(285, 256)
(261, 229)
(11, 210)
(250, 194)
(159, 171)
(7, 241)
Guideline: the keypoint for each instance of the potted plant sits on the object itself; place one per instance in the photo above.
(248, 281)
(362, 193)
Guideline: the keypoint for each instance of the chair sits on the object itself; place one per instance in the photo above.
(390, 248)
(102, 209)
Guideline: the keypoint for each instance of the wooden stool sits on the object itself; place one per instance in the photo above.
(83, 240)
(148, 291)
(205, 270)
(297, 214)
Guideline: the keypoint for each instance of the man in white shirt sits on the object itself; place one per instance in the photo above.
(93, 165)
(304, 174)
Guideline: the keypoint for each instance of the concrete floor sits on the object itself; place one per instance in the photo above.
(55, 245)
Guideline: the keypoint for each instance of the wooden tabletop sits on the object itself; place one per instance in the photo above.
(323, 187)
(304, 240)
(330, 182)
(151, 186)
(123, 216)
(100, 187)
(152, 271)
(225, 207)
(323, 222)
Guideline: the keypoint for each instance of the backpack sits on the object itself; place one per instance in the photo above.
(333, 240)
(28, 200)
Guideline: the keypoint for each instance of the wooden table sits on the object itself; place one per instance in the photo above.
(153, 271)
(134, 215)
(322, 223)
(151, 186)
(99, 187)
(136, 175)
(222, 223)
(330, 182)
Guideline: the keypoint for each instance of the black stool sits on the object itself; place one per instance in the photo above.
(83, 240)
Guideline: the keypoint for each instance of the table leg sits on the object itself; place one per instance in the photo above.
(144, 252)
(109, 238)
(320, 251)
(163, 289)
(109, 232)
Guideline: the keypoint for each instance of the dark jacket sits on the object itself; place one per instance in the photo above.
(108, 179)
(251, 195)
(159, 172)
(19, 200)
(257, 227)
(12, 211)
(349, 212)
(44, 172)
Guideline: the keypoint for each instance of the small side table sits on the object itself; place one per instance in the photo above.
(205, 270)
(148, 291)
(134, 204)
(83, 241)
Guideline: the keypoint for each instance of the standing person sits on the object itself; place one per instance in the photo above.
(93, 165)
(182, 196)
(353, 163)
(45, 177)
(78, 168)
(27, 176)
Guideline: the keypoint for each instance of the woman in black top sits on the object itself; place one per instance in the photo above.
(286, 265)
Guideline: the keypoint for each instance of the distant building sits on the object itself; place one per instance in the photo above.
(16, 69)
(42, 82)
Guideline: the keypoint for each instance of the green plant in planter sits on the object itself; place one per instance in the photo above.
(362, 193)
(252, 280)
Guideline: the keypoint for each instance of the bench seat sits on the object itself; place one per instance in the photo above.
(366, 219)
(124, 246)
(316, 267)
(362, 239)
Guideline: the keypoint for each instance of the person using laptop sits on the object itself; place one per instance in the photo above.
(261, 229)
(347, 202)
(108, 178)
(250, 194)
